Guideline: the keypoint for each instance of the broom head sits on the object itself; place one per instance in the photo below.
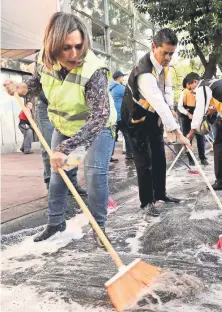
(112, 203)
(193, 171)
(128, 286)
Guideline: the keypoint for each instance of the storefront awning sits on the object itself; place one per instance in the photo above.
(22, 26)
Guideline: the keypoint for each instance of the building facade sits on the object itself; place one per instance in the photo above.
(119, 34)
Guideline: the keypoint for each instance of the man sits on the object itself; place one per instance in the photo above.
(186, 107)
(46, 129)
(148, 99)
(117, 90)
(25, 128)
(208, 99)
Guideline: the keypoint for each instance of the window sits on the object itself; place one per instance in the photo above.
(86, 20)
(103, 57)
(141, 50)
(98, 37)
(93, 8)
(124, 3)
(120, 20)
(143, 33)
(122, 52)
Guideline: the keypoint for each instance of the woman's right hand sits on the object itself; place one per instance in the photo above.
(11, 87)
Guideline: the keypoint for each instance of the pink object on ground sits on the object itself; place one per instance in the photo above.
(219, 242)
(193, 171)
(112, 204)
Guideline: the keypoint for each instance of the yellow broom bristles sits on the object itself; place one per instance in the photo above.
(128, 288)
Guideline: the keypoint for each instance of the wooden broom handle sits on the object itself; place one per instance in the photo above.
(175, 160)
(205, 179)
(72, 189)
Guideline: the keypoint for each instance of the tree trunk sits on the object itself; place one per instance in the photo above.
(210, 67)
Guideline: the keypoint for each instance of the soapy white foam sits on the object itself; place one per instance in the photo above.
(27, 247)
(209, 250)
(25, 299)
(206, 214)
(134, 242)
(211, 297)
(21, 266)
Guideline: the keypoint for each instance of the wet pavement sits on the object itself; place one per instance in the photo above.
(68, 272)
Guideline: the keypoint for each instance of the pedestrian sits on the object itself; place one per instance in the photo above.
(148, 102)
(46, 128)
(186, 107)
(75, 82)
(26, 129)
(117, 90)
(208, 99)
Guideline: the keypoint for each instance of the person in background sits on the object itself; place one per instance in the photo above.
(46, 129)
(75, 82)
(208, 100)
(147, 105)
(25, 128)
(117, 90)
(186, 107)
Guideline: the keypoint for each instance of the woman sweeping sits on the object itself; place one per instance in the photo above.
(75, 83)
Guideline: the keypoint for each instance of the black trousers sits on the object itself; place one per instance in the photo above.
(186, 126)
(120, 126)
(218, 150)
(149, 156)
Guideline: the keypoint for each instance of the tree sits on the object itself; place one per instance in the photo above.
(179, 70)
(199, 22)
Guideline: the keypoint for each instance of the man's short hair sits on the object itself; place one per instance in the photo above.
(191, 77)
(184, 83)
(165, 35)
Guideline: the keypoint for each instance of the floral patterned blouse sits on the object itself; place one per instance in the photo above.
(97, 99)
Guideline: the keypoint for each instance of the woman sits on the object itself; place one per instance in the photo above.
(46, 129)
(25, 128)
(75, 83)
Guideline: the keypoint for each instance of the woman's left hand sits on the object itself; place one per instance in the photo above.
(57, 160)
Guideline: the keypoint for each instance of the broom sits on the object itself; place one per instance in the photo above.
(189, 171)
(209, 141)
(205, 179)
(127, 286)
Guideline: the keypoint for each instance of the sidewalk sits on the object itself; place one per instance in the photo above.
(23, 189)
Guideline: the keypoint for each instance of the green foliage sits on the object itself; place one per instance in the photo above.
(200, 22)
(180, 70)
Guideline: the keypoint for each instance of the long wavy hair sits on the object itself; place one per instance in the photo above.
(59, 26)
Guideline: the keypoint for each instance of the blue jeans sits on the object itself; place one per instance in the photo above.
(46, 129)
(28, 137)
(96, 167)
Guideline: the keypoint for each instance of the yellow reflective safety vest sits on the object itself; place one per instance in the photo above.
(67, 108)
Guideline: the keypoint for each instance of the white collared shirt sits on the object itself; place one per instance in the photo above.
(149, 89)
(200, 103)
(181, 108)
